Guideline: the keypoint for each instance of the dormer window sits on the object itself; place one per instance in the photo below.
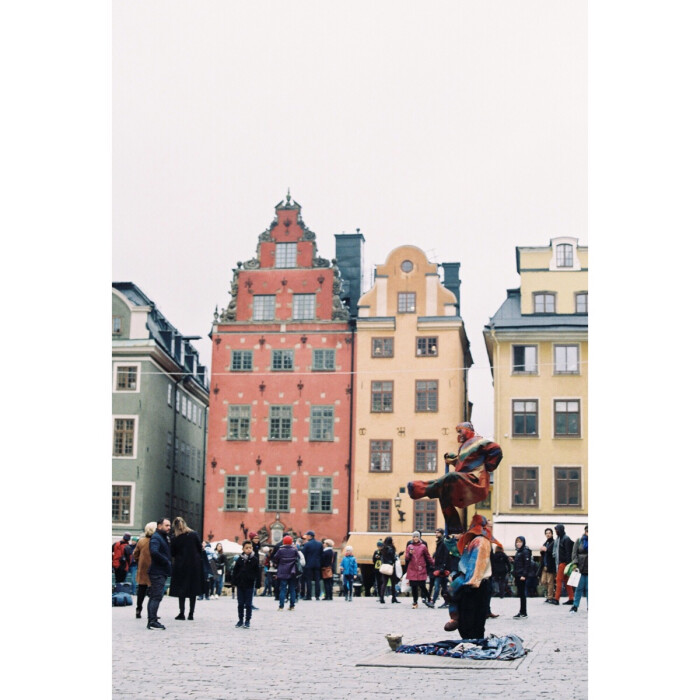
(565, 255)
(407, 303)
(286, 255)
(544, 302)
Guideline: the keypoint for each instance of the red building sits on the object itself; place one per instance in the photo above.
(278, 453)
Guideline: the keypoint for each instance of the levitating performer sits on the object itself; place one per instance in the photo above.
(469, 483)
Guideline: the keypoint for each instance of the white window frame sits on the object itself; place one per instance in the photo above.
(535, 347)
(132, 484)
(170, 394)
(115, 368)
(282, 261)
(566, 359)
(136, 436)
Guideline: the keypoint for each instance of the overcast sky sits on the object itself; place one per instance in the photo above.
(459, 127)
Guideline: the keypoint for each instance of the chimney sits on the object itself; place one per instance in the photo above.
(451, 279)
(349, 256)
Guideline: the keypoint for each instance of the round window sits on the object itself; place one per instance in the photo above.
(406, 266)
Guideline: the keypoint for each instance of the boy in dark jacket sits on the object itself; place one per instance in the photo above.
(245, 576)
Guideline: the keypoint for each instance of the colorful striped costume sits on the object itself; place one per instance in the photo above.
(468, 484)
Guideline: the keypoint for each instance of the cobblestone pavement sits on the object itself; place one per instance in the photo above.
(311, 652)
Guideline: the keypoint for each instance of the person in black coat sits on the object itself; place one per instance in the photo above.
(548, 568)
(500, 568)
(388, 556)
(443, 567)
(244, 577)
(312, 551)
(521, 570)
(189, 561)
(158, 571)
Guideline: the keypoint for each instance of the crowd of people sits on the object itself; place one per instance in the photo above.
(308, 568)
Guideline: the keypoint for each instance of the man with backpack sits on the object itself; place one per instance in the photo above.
(121, 557)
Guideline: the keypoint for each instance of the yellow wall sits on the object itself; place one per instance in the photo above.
(544, 451)
(404, 369)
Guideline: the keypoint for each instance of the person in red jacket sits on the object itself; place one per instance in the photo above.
(469, 483)
(418, 563)
(121, 556)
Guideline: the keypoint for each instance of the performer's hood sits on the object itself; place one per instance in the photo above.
(478, 527)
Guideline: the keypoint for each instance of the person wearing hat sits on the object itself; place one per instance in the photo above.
(312, 551)
(377, 561)
(418, 563)
(476, 458)
(285, 558)
(121, 556)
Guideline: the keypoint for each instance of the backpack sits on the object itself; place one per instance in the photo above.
(120, 599)
(119, 558)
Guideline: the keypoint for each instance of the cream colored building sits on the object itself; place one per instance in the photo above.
(537, 343)
(412, 356)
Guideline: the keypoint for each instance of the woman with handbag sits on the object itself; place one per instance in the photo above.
(387, 570)
(327, 561)
(418, 563)
(188, 579)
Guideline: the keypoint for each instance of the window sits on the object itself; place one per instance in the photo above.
(236, 493)
(425, 455)
(283, 360)
(525, 486)
(170, 394)
(427, 346)
(323, 360)
(544, 303)
(382, 347)
(320, 494)
(264, 307)
(286, 255)
(280, 423)
(238, 422)
(177, 401)
(425, 515)
(407, 302)
(117, 325)
(426, 396)
(241, 360)
(277, 493)
(566, 359)
(304, 306)
(322, 423)
(127, 378)
(567, 418)
(382, 397)
(582, 303)
(379, 515)
(524, 359)
(168, 450)
(567, 486)
(406, 266)
(176, 460)
(525, 417)
(565, 255)
(485, 504)
(121, 503)
(123, 437)
(380, 455)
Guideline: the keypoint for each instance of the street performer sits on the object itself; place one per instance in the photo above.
(469, 483)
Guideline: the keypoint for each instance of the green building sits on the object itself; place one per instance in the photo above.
(160, 397)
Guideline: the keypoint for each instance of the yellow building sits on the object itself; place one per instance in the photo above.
(537, 343)
(412, 356)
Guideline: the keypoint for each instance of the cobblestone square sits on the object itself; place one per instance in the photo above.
(312, 652)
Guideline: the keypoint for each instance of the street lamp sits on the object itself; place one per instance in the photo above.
(397, 503)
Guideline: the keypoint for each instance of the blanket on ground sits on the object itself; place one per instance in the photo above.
(501, 648)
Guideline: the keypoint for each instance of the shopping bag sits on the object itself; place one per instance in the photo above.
(404, 585)
(574, 578)
(397, 567)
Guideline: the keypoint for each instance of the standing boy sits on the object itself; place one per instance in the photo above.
(348, 567)
(245, 576)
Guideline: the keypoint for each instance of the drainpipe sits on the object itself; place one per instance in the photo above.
(496, 363)
(172, 473)
(205, 425)
(352, 426)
